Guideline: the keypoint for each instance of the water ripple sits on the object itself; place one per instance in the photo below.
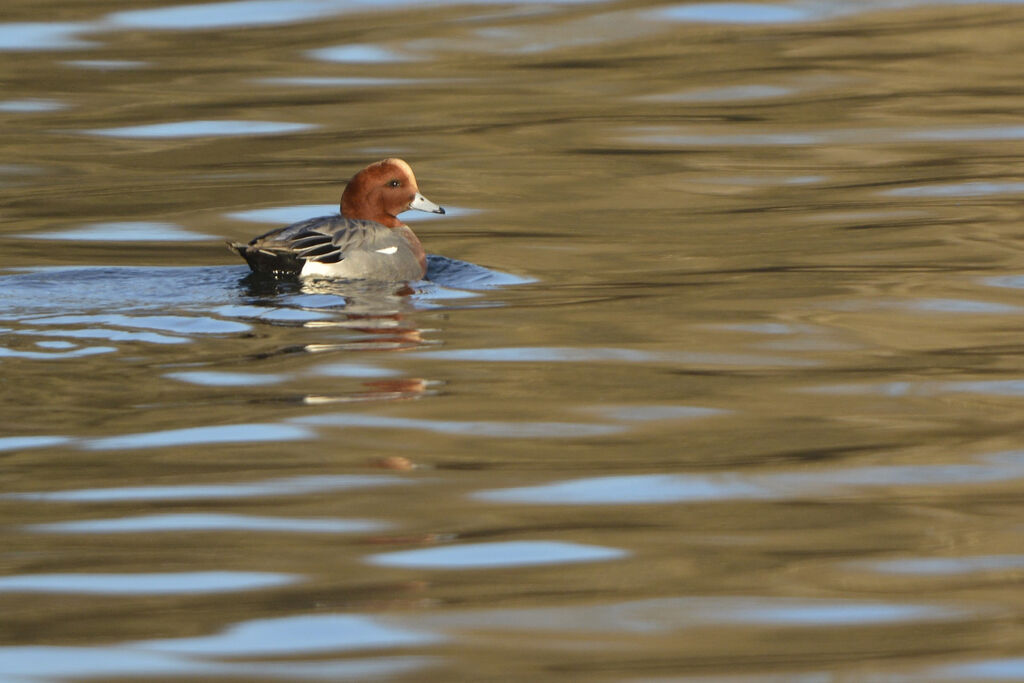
(189, 129)
(124, 231)
(673, 137)
(497, 554)
(965, 306)
(40, 355)
(735, 13)
(734, 93)
(583, 354)
(202, 521)
(171, 583)
(31, 106)
(293, 486)
(507, 430)
(119, 661)
(943, 566)
(211, 378)
(974, 188)
(1005, 669)
(194, 436)
(1013, 281)
(72, 289)
(667, 614)
(106, 64)
(348, 82)
(167, 323)
(356, 54)
(690, 488)
(654, 412)
(108, 335)
(238, 13)
(34, 36)
(17, 443)
(293, 635)
(992, 387)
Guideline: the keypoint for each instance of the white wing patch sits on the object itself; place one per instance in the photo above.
(387, 250)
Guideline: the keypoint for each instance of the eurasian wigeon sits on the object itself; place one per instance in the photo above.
(367, 241)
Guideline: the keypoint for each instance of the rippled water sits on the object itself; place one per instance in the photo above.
(716, 373)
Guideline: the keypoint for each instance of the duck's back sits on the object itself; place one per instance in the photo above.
(335, 246)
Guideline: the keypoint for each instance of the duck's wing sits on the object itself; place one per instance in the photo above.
(325, 239)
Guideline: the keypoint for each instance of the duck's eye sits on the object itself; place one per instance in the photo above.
(394, 183)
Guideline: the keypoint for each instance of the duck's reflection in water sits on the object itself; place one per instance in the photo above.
(390, 390)
(375, 316)
(381, 310)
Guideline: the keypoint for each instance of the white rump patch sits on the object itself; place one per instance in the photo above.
(387, 250)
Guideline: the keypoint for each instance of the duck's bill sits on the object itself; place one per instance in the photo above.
(421, 203)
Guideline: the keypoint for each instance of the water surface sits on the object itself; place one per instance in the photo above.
(715, 375)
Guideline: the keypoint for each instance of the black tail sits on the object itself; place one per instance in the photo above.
(267, 261)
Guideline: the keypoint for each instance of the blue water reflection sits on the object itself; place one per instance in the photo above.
(128, 231)
(356, 54)
(280, 313)
(165, 323)
(195, 129)
(72, 289)
(41, 355)
(1006, 669)
(925, 305)
(292, 486)
(630, 489)
(195, 436)
(966, 134)
(497, 554)
(210, 378)
(106, 64)
(507, 430)
(18, 443)
(582, 354)
(248, 13)
(42, 662)
(295, 635)
(204, 521)
(56, 344)
(735, 13)
(31, 106)
(1013, 281)
(239, 13)
(673, 137)
(972, 188)
(108, 335)
(690, 488)
(544, 354)
(992, 387)
(725, 94)
(352, 370)
(944, 566)
(667, 614)
(462, 275)
(33, 36)
(169, 583)
(118, 661)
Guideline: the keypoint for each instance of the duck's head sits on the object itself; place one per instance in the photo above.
(383, 190)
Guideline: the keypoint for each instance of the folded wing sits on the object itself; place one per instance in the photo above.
(325, 239)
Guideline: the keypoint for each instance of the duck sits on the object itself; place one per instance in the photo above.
(366, 241)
